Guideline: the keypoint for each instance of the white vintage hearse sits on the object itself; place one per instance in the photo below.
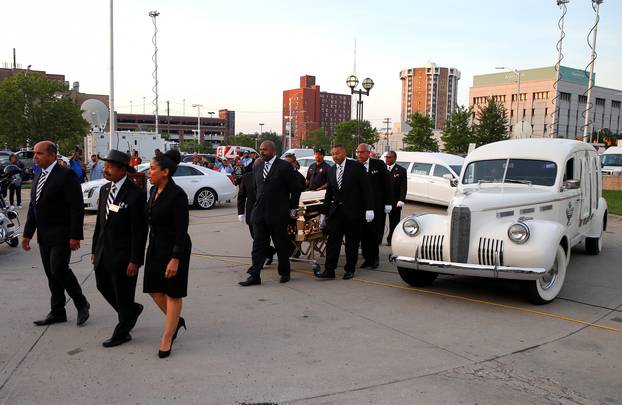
(520, 207)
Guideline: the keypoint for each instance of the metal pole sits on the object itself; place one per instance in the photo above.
(168, 119)
(112, 122)
(154, 15)
(518, 99)
(560, 56)
(590, 84)
(199, 125)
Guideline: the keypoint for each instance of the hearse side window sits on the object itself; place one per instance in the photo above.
(440, 171)
(421, 168)
(569, 173)
(404, 164)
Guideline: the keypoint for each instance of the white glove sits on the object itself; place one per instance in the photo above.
(322, 221)
(369, 216)
(400, 204)
(387, 209)
(292, 213)
(242, 218)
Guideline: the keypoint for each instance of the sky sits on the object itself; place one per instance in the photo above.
(241, 55)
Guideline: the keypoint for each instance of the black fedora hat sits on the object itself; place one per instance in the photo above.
(118, 157)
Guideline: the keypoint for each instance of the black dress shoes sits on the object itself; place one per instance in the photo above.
(50, 319)
(365, 265)
(284, 278)
(116, 340)
(326, 274)
(250, 281)
(348, 275)
(83, 314)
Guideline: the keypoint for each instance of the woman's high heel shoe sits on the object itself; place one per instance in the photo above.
(180, 323)
(165, 353)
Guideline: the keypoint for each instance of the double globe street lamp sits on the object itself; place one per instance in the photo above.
(352, 81)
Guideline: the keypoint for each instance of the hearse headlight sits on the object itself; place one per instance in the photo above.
(518, 233)
(411, 227)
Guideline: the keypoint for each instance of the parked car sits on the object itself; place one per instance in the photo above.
(300, 153)
(431, 176)
(307, 161)
(211, 158)
(611, 161)
(204, 187)
(520, 207)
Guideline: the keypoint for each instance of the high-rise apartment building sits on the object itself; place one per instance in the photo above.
(536, 107)
(431, 91)
(307, 108)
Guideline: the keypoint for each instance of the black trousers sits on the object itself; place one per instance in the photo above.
(17, 192)
(60, 277)
(119, 290)
(270, 251)
(372, 236)
(394, 218)
(338, 227)
(261, 240)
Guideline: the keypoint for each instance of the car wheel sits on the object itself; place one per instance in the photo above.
(547, 287)
(417, 278)
(205, 198)
(13, 242)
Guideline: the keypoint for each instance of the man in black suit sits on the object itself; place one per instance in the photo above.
(382, 193)
(56, 213)
(246, 202)
(399, 184)
(347, 203)
(119, 243)
(277, 194)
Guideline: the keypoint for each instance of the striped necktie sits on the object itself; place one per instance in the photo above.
(111, 196)
(266, 170)
(40, 183)
(339, 175)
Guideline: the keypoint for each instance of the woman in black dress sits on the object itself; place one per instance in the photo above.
(168, 253)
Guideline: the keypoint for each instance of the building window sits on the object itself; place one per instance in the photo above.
(541, 95)
(564, 96)
(600, 102)
(582, 99)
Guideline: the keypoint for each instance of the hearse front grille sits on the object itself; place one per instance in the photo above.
(490, 252)
(460, 234)
(431, 247)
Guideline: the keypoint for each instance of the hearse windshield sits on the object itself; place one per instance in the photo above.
(611, 160)
(518, 171)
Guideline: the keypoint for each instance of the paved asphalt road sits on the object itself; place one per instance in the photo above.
(369, 340)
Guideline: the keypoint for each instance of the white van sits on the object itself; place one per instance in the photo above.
(430, 175)
(611, 161)
(307, 161)
(304, 152)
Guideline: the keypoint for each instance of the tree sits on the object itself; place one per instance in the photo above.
(243, 140)
(492, 123)
(317, 139)
(345, 134)
(249, 140)
(191, 146)
(33, 108)
(458, 132)
(274, 137)
(421, 136)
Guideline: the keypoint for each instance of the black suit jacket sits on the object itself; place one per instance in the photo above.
(399, 183)
(59, 214)
(380, 183)
(275, 195)
(121, 239)
(246, 195)
(355, 194)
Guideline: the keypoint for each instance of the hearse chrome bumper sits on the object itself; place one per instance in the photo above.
(467, 269)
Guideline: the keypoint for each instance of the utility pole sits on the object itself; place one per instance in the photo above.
(111, 96)
(168, 119)
(154, 14)
(198, 106)
(588, 104)
(387, 121)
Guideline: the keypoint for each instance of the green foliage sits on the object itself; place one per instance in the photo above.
(191, 146)
(458, 132)
(345, 134)
(248, 140)
(34, 108)
(614, 201)
(492, 123)
(317, 139)
(421, 136)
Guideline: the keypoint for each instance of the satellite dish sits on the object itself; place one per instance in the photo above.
(95, 113)
(522, 130)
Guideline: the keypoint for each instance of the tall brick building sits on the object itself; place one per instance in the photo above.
(308, 108)
(431, 91)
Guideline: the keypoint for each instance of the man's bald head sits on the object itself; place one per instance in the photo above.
(362, 152)
(45, 153)
(267, 150)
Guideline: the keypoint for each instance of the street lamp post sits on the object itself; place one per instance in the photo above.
(588, 104)
(260, 133)
(517, 73)
(352, 81)
(198, 107)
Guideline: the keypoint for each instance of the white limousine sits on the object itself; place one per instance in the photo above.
(519, 209)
